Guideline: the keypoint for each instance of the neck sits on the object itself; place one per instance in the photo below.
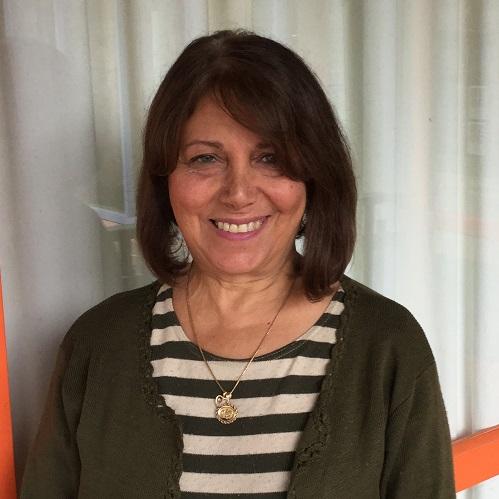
(228, 295)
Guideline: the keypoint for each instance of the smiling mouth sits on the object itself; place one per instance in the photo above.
(239, 228)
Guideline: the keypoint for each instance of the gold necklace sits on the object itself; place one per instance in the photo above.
(226, 412)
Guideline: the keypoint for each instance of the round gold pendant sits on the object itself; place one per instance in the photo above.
(226, 412)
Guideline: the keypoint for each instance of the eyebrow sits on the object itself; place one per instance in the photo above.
(219, 145)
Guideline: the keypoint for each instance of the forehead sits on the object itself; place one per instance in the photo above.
(210, 121)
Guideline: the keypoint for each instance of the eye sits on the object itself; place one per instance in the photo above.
(269, 158)
(203, 159)
(271, 163)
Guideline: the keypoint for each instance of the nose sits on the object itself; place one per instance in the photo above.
(239, 189)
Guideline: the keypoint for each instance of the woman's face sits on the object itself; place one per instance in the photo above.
(238, 214)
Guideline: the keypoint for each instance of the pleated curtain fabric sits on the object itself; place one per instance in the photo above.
(415, 84)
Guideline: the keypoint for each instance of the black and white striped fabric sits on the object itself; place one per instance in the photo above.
(252, 457)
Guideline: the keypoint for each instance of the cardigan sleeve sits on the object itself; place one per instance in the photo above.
(418, 458)
(53, 466)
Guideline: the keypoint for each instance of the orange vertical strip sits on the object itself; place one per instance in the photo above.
(476, 458)
(7, 472)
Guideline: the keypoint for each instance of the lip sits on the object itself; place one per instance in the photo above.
(239, 221)
(240, 236)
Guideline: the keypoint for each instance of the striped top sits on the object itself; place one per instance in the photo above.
(253, 456)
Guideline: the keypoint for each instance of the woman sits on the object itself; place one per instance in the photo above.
(246, 370)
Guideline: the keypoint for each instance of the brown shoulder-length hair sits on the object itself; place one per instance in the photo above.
(269, 89)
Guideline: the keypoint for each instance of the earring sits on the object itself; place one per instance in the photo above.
(303, 224)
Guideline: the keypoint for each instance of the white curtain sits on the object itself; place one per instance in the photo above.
(415, 84)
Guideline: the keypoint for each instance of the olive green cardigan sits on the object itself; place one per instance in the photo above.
(378, 430)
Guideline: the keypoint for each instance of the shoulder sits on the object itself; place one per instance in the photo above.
(384, 326)
(114, 319)
(383, 347)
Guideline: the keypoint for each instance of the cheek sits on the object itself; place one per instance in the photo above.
(187, 196)
(290, 197)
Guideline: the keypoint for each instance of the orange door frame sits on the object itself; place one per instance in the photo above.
(476, 458)
(7, 470)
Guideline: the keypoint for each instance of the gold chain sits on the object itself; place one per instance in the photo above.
(227, 412)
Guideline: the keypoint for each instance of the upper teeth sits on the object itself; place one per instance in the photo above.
(239, 228)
